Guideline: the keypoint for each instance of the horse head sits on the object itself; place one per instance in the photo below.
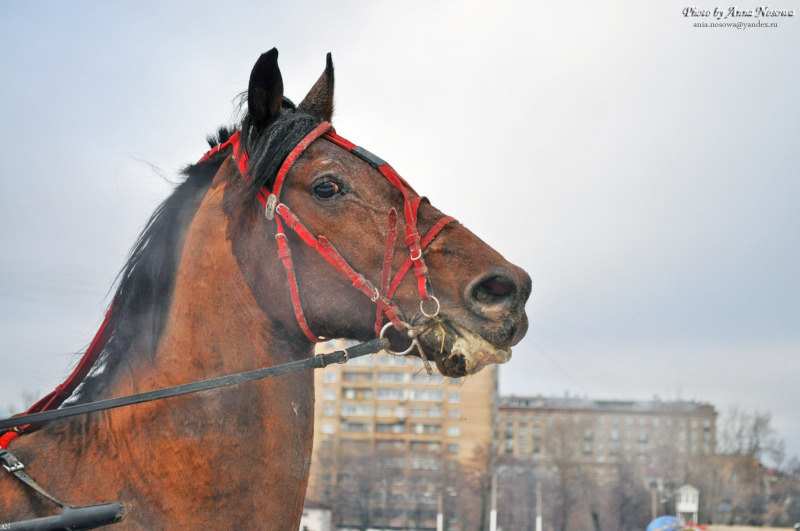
(434, 283)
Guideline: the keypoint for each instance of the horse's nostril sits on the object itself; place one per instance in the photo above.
(495, 289)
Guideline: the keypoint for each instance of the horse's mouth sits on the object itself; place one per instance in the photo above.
(458, 351)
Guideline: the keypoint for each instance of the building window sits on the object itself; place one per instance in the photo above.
(385, 393)
(356, 410)
(537, 418)
(392, 377)
(422, 377)
(425, 446)
(350, 376)
(427, 395)
(329, 377)
(329, 394)
(455, 398)
(426, 429)
(390, 427)
(435, 412)
(356, 427)
(453, 414)
(453, 431)
(523, 430)
(389, 444)
(329, 411)
(327, 427)
(452, 448)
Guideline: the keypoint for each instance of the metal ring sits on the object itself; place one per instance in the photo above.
(415, 258)
(414, 341)
(422, 307)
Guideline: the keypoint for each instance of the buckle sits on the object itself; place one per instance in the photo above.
(269, 210)
(9, 461)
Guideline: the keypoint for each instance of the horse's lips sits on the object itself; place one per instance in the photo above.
(461, 351)
(478, 352)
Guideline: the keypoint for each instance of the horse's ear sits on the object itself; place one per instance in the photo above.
(319, 100)
(265, 93)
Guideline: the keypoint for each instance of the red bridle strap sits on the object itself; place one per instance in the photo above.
(270, 199)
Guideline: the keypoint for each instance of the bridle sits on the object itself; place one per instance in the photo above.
(387, 312)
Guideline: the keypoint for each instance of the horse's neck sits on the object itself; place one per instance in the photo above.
(255, 435)
(214, 325)
(236, 457)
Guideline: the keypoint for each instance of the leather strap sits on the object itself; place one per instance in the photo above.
(270, 199)
(314, 362)
(15, 467)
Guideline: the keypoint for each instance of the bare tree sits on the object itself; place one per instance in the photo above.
(747, 434)
(627, 501)
(570, 484)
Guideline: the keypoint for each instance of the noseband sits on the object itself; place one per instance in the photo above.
(382, 297)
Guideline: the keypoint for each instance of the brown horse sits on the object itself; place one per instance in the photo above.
(204, 294)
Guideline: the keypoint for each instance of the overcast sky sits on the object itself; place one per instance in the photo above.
(643, 171)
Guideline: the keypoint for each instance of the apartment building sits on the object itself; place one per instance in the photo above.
(384, 421)
(601, 434)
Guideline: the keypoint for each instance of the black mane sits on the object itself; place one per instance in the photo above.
(145, 284)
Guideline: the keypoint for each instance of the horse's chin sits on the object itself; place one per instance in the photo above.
(458, 351)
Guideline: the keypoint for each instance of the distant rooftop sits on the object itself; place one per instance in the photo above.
(587, 404)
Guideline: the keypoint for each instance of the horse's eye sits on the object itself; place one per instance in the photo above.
(326, 189)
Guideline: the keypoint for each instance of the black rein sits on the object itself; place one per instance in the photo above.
(315, 362)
